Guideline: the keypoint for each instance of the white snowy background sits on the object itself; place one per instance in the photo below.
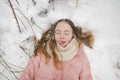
(21, 20)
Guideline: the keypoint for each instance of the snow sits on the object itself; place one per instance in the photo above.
(101, 16)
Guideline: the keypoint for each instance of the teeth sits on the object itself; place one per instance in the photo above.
(62, 41)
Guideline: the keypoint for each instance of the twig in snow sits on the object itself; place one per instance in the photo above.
(16, 66)
(4, 76)
(17, 2)
(22, 23)
(118, 75)
(52, 2)
(43, 13)
(34, 2)
(14, 15)
(33, 22)
(25, 51)
(8, 67)
(118, 65)
(77, 3)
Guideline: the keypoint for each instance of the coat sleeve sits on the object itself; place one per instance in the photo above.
(29, 71)
(85, 70)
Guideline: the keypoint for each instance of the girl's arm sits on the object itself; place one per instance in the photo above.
(28, 73)
(86, 71)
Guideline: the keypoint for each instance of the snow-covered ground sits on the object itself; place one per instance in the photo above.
(35, 16)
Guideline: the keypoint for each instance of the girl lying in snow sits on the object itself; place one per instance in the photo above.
(59, 54)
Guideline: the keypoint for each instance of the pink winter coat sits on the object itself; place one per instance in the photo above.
(77, 68)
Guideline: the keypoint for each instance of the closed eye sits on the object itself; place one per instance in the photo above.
(57, 32)
(66, 33)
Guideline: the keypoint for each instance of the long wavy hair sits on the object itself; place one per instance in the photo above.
(48, 39)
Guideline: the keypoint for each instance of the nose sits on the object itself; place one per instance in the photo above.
(62, 36)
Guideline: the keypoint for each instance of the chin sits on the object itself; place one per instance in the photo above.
(63, 45)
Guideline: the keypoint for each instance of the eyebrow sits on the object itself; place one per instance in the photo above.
(57, 30)
(65, 30)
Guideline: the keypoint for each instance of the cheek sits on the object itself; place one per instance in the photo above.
(68, 39)
(56, 38)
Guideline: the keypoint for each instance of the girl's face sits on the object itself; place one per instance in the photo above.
(63, 33)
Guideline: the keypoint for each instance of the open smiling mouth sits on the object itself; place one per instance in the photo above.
(62, 42)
